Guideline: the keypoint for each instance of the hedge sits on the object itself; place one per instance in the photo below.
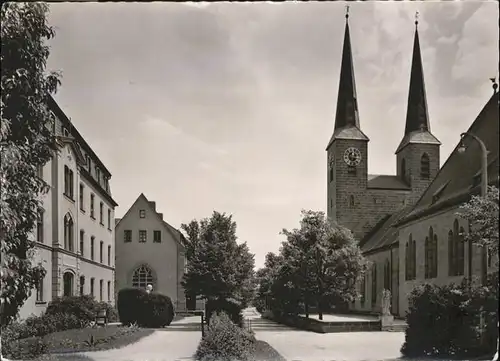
(153, 309)
(444, 321)
(230, 307)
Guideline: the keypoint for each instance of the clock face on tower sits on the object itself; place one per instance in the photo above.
(352, 156)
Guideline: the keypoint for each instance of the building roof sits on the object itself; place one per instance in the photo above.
(385, 233)
(175, 233)
(88, 149)
(347, 116)
(462, 171)
(377, 181)
(417, 127)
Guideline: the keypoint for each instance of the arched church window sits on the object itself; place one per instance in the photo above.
(460, 254)
(142, 277)
(431, 261)
(403, 169)
(451, 254)
(68, 232)
(374, 284)
(425, 171)
(351, 201)
(68, 282)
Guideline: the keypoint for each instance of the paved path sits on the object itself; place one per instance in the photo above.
(297, 345)
(159, 346)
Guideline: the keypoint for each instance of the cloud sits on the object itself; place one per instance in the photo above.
(229, 106)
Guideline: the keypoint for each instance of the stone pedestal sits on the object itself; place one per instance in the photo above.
(386, 321)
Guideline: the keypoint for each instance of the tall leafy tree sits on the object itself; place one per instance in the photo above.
(482, 213)
(25, 145)
(218, 267)
(331, 256)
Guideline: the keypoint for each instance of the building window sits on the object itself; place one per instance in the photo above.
(68, 280)
(374, 284)
(92, 284)
(127, 235)
(39, 171)
(109, 219)
(92, 241)
(351, 201)
(456, 251)
(109, 255)
(98, 174)
(410, 259)
(363, 290)
(68, 232)
(425, 170)
(403, 169)
(89, 163)
(101, 250)
(142, 213)
(387, 275)
(82, 203)
(101, 214)
(142, 277)
(82, 237)
(39, 226)
(331, 174)
(82, 285)
(39, 291)
(101, 286)
(68, 182)
(92, 200)
(157, 236)
(109, 291)
(431, 255)
(143, 236)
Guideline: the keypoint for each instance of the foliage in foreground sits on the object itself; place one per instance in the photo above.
(319, 264)
(444, 321)
(135, 305)
(225, 341)
(25, 145)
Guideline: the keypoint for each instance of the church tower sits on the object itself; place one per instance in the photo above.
(417, 155)
(347, 150)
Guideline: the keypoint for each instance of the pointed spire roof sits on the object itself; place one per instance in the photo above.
(417, 128)
(347, 116)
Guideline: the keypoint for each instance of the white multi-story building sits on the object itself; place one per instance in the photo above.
(75, 232)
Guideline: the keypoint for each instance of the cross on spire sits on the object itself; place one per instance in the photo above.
(416, 17)
(347, 11)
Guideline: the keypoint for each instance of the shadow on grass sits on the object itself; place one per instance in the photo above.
(264, 352)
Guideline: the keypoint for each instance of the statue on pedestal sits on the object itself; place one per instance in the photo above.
(149, 288)
(386, 302)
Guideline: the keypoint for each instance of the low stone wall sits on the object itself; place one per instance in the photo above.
(317, 326)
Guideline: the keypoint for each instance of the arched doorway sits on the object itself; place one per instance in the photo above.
(142, 277)
(68, 282)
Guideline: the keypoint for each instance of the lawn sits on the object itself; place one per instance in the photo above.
(94, 339)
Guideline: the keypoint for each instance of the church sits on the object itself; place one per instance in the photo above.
(407, 224)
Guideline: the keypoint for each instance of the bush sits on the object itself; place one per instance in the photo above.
(111, 311)
(225, 341)
(130, 304)
(83, 307)
(159, 311)
(444, 320)
(135, 305)
(260, 305)
(23, 349)
(230, 307)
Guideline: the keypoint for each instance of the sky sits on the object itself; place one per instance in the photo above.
(229, 106)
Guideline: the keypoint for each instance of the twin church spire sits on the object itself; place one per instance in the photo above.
(347, 125)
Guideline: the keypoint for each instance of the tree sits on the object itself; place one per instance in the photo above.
(331, 256)
(482, 214)
(26, 144)
(218, 267)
